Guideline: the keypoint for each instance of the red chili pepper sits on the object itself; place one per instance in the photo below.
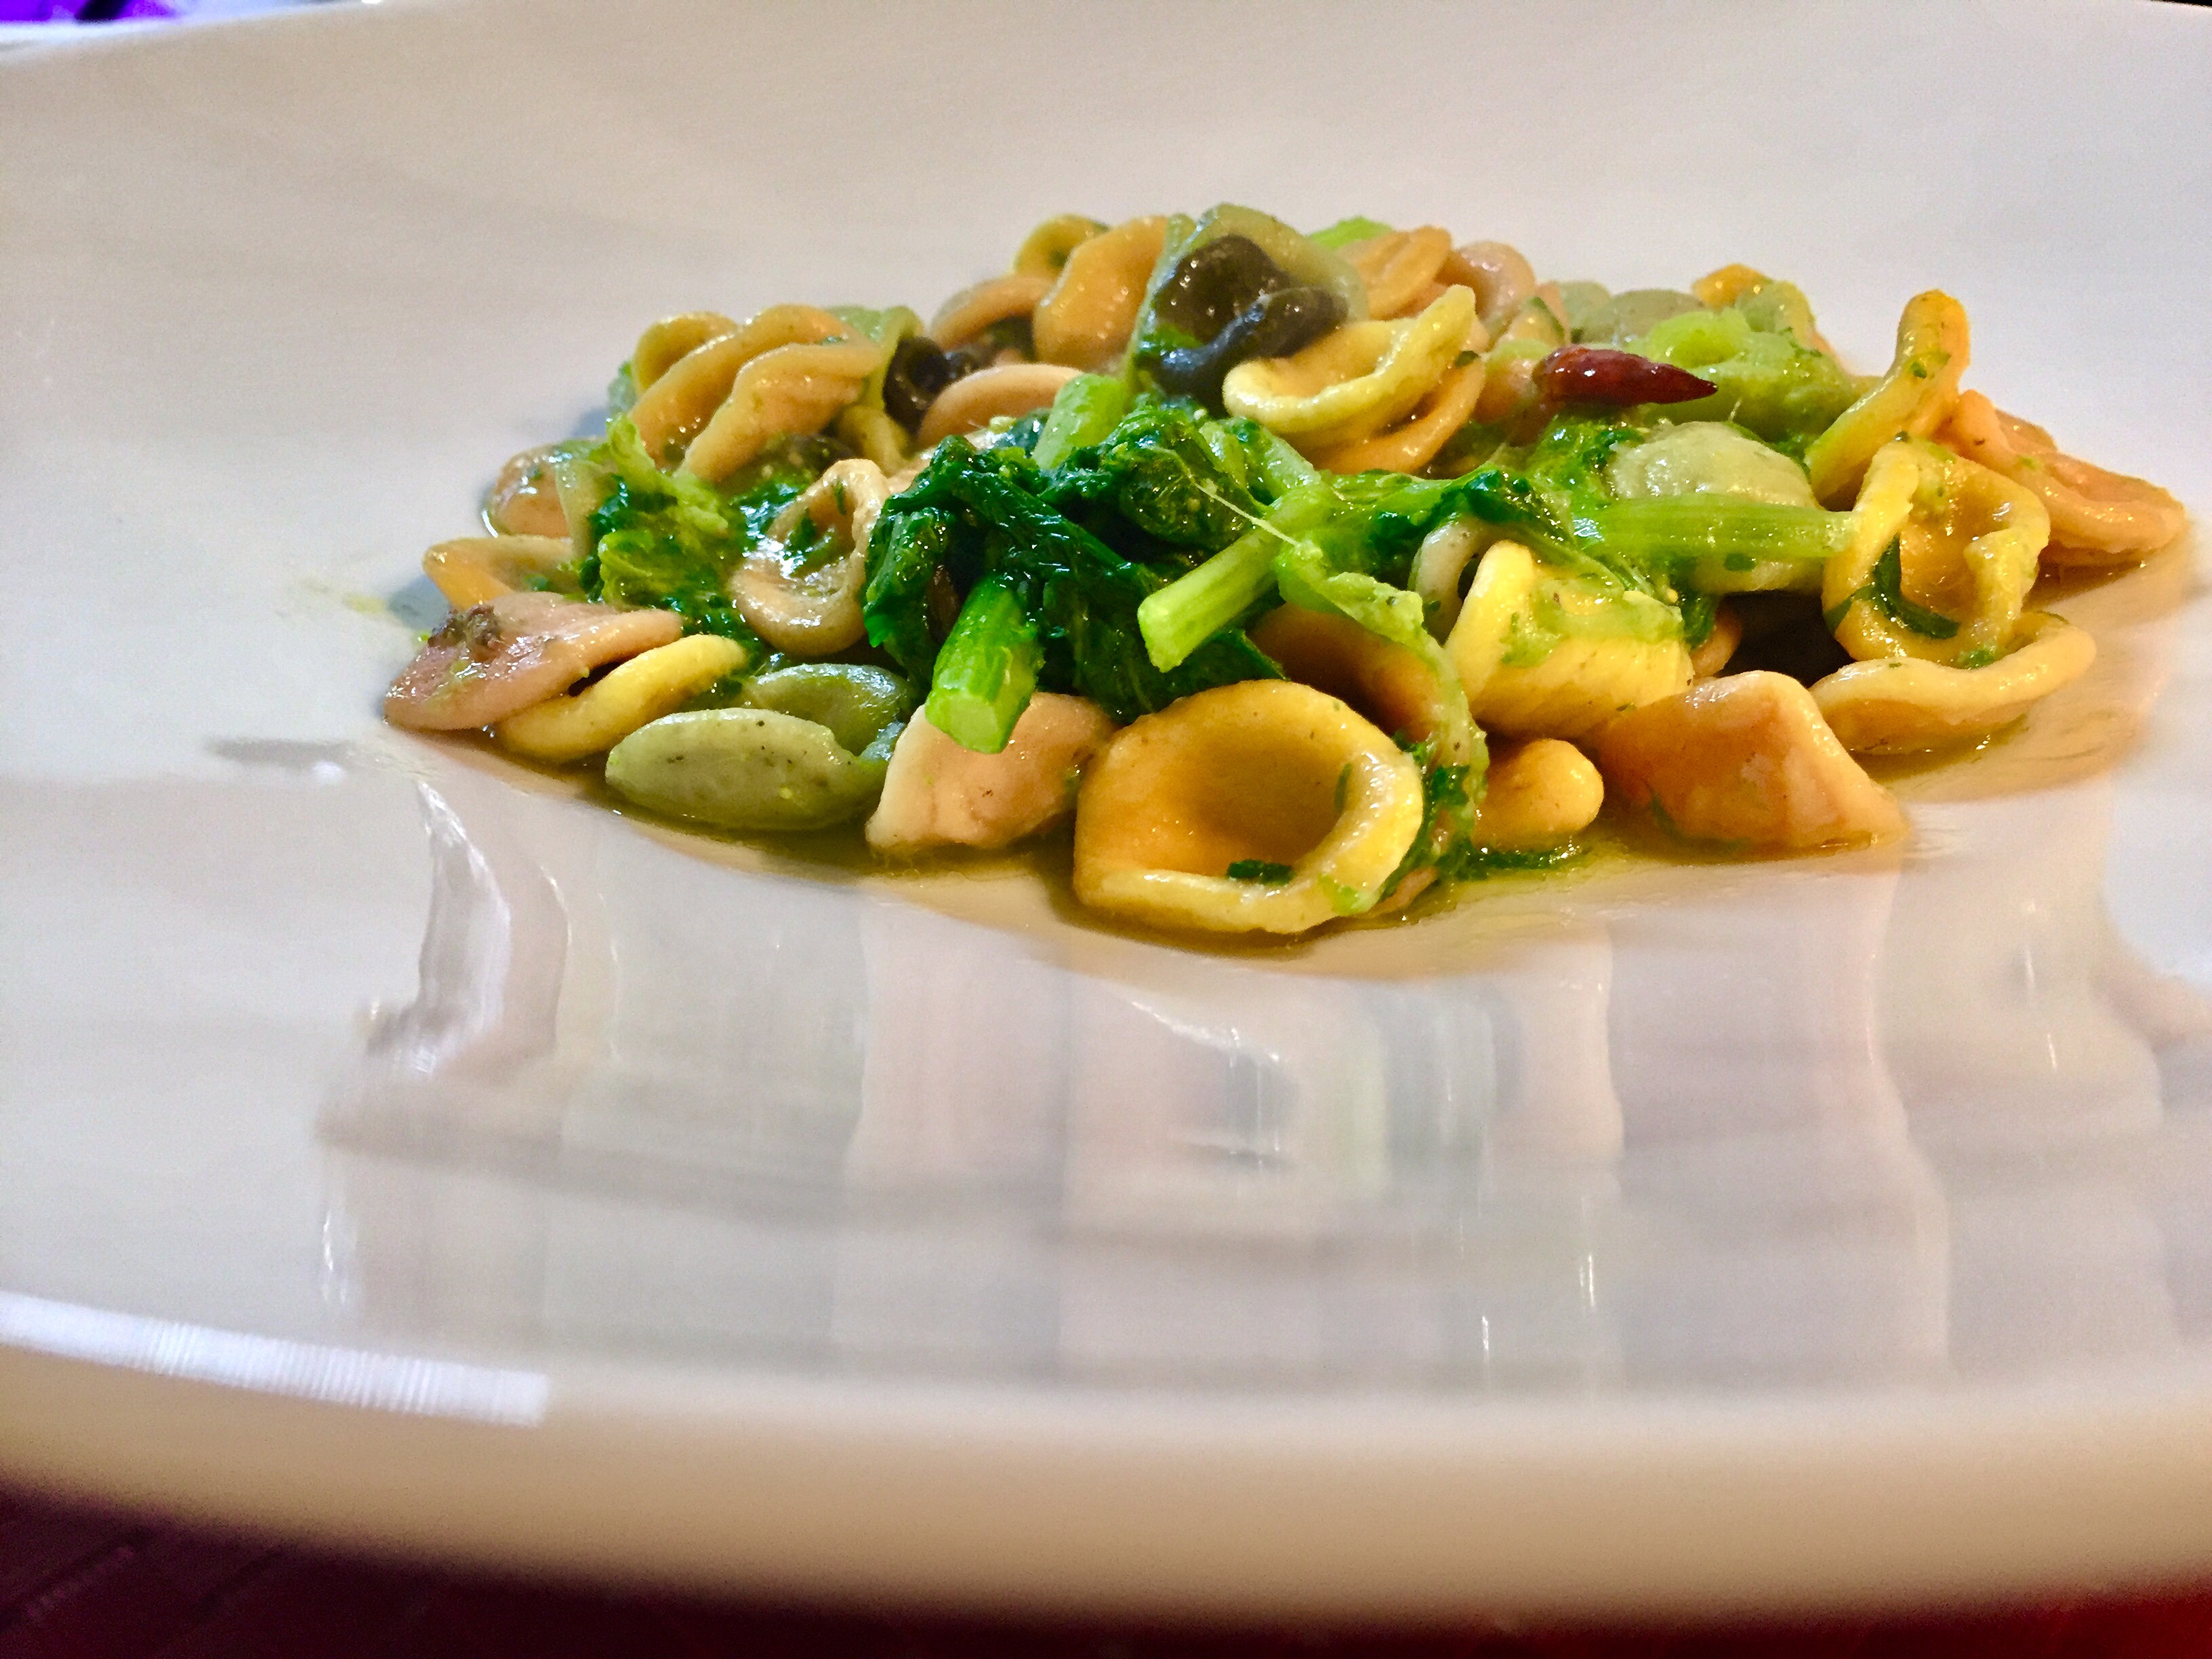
(1599, 375)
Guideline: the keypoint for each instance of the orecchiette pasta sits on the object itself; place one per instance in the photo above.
(2097, 518)
(1939, 561)
(1165, 529)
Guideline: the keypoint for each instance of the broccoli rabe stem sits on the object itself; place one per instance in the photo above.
(1191, 609)
(987, 670)
(1086, 408)
(1662, 529)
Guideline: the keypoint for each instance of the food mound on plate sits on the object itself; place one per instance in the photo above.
(1301, 572)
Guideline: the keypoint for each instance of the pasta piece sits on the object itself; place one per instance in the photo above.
(974, 400)
(494, 658)
(939, 794)
(1278, 781)
(668, 342)
(1500, 278)
(1399, 267)
(1355, 382)
(788, 370)
(524, 500)
(1536, 795)
(1384, 682)
(1940, 559)
(1718, 289)
(1044, 250)
(471, 569)
(812, 602)
(594, 718)
(1410, 446)
(1542, 656)
(1442, 560)
(746, 768)
(1745, 759)
(1913, 399)
(2097, 518)
(969, 312)
(1898, 706)
(1712, 653)
(1084, 321)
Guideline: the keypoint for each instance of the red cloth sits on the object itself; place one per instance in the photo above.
(74, 1585)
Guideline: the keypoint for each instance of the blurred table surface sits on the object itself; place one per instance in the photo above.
(79, 1584)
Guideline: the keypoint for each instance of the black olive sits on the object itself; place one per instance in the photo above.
(919, 371)
(1212, 285)
(1274, 325)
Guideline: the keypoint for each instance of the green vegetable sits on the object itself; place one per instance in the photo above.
(1086, 410)
(1182, 616)
(1885, 590)
(670, 540)
(988, 671)
(1723, 544)
(1259, 870)
(1346, 231)
(1786, 393)
(994, 515)
(1157, 469)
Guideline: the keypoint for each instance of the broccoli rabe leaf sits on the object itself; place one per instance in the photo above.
(1764, 379)
(1079, 594)
(669, 540)
(1157, 469)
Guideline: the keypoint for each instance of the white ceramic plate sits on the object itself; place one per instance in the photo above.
(397, 1149)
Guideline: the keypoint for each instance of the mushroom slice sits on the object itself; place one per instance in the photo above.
(1745, 759)
(809, 599)
(746, 768)
(470, 569)
(495, 659)
(599, 715)
(1310, 806)
(1899, 707)
(1086, 319)
(939, 793)
(2097, 517)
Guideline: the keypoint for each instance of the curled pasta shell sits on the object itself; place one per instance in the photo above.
(1913, 399)
(668, 342)
(1501, 278)
(1747, 758)
(1044, 250)
(745, 769)
(591, 720)
(1398, 267)
(1444, 554)
(1267, 771)
(1355, 382)
(1383, 680)
(684, 396)
(1537, 794)
(1898, 706)
(524, 500)
(1413, 445)
(974, 400)
(940, 793)
(972, 310)
(471, 569)
(1718, 289)
(1712, 653)
(498, 657)
(1526, 677)
(814, 605)
(2096, 517)
(1086, 320)
(1967, 542)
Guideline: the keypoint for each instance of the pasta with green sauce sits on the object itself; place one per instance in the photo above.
(1300, 573)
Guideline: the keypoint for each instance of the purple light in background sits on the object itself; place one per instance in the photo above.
(81, 11)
